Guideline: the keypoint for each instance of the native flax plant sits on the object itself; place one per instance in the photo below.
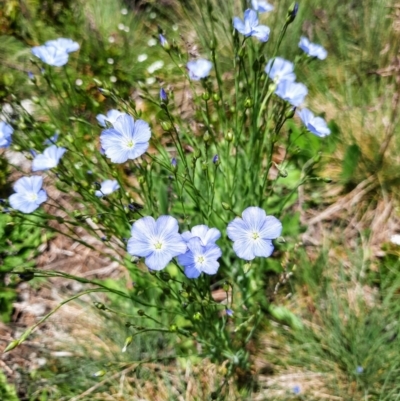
(165, 194)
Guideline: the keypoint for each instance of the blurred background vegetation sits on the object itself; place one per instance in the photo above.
(345, 281)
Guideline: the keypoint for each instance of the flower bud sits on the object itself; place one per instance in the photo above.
(174, 164)
(197, 316)
(197, 153)
(128, 341)
(205, 96)
(290, 113)
(166, 125)
(164, 43)
(204, 166)
(229, 136)
(206, 137)
(141, 312)
(163, 96)
(216, 160)
(99, 305)
(248, 103)
(216, 97)
(292, 12)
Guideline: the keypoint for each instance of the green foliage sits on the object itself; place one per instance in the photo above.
(7, 391)
(19, 244)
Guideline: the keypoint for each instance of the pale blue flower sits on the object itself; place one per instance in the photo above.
(315, 125)
(261, 6)
(199, 258)
(292, 92)
(6, 132)
(51, 55)
(199, 69)
(279, 69)
(296, 389)
(157, 241)
(67, 45)
(359, 370)
(111, 117)
(253, 233)
(229, 312)
(312, 49)
(207, 236)
(126, 140)
(28, 194)
(249, 26)
(48, 159)
(107, 187)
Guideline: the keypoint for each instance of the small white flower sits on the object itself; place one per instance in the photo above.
(110, 60)
(152, 42)
(142, 57)
(395, 239)
(155, 66)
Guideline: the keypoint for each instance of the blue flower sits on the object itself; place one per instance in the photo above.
(229, 312)
(66, 45)
(207, 236)
(111, 117)
(296, 389)
(199, 69)
(359, 370)
(107, 187)
(250, 27)
(253, 233)
(279, 69)
(163, 41)
(316, 125)
(29, 194)
(48, 159)
(5, 134)
(199, 258)
(261, 6)
(126, 140)
(51, 55)
(163, 96)
(312, 49)
(157, 241)
(292, 92)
